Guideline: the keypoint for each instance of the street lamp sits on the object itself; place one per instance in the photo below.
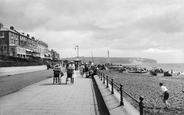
(77, 47)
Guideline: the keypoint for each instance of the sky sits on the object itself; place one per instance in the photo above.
(127, 28)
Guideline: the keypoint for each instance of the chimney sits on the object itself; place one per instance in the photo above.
(1, 25)
(28, 35)
(11, 27)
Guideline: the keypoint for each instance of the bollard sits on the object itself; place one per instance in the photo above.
(107, 81)
(112, 90)
(121, 95)
(141, 98)
(104, 79)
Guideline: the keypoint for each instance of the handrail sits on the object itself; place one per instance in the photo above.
(126, 92)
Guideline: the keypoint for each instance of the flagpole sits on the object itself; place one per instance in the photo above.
(108, 56)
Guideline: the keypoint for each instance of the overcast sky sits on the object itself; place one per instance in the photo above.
(127, 28)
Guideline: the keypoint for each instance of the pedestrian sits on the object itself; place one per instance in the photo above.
(165, 94)
(82, 70)
(57, 73)
(70, 72)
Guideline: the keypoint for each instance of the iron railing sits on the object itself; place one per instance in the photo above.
(119, 87)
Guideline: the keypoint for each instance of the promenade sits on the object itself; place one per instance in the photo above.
(85, 97)
(46, 98)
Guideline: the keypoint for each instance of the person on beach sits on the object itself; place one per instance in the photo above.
(165, 94)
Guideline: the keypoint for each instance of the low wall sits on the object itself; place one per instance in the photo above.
(16, 70)
(112, 101)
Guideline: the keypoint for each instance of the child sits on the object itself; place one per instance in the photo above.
(165, 94)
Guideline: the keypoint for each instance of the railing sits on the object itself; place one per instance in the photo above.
(119, 87)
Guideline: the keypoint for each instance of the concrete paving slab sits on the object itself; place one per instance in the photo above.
(46, 98)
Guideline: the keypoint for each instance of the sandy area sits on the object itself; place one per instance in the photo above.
(148, 86)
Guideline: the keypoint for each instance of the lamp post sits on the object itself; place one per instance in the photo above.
(77, 47)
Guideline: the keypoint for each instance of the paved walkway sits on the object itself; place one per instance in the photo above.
(45, 98)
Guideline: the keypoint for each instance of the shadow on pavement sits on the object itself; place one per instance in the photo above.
(49, 77)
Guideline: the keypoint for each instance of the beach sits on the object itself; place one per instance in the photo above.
(176, 67)
(143, 84)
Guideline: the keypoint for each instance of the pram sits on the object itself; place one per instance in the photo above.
(70, 73)
(56, 78)
(57, 73)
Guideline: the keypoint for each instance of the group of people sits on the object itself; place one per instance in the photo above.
(89, 69)
(58, 73)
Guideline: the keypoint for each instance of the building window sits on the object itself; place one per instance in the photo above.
(1, 34)
(11, 41)
(4, 47)
(12, 49)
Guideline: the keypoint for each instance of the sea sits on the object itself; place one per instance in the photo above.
(176, 67)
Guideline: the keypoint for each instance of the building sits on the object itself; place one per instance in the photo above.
(55, 55)
(17, 44)
(8, 41)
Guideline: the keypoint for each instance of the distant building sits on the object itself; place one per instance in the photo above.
(55, 55)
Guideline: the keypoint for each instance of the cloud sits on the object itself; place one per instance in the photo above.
(126, 27)
(157, 50)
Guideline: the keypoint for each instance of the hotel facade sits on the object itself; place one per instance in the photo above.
(19, 44)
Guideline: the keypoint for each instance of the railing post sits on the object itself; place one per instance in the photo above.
(121, 95)
(104, 79)
(112, 84)
(107, 81)
(101, 76)
(141, 98)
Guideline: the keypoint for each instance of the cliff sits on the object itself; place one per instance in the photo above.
(123, 60)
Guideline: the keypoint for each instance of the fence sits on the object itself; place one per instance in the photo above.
(119, 87)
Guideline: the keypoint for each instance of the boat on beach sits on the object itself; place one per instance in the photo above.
(137, 71)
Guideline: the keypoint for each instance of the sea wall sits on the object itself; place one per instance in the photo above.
(16, 70)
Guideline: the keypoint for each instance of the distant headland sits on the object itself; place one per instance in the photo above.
(122, 60)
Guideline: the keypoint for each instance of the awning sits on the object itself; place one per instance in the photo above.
(48, 55)
(29, 50)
